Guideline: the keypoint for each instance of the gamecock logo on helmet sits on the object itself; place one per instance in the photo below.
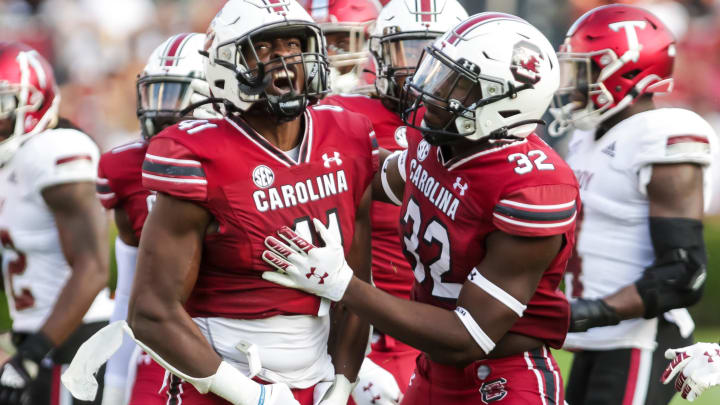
(525, 65)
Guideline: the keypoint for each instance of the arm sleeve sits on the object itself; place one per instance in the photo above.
(104, 187)
(537, 211)
(64, 156)
(171, 168)
(118, 367)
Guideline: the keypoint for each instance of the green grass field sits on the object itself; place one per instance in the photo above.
(710, 397)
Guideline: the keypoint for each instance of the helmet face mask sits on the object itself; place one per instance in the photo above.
(161, 100)
(447, 91)
(8, 105)
(398, 55)
(29, 96)
(281, 84)
(491, 78)
(278, 82)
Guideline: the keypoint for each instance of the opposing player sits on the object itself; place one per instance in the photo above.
(643, 174)
(346, 25)
(696, 367)
(401, 32)
(173, 79)
(52, 233)
(487, 224)
(199, 303)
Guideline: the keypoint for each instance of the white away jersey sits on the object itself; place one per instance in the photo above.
(33, 265)
(613, 242)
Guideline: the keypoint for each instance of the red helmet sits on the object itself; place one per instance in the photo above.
(343, 11)
(631, 53)
(354, 18)
(28, 94)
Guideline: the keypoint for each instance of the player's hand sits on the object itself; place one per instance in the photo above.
(322, 271)
(15, 378)
(376, 386)
(22, 368)
(586, 314)
(697, 368)
(339, 392)
(278, 394)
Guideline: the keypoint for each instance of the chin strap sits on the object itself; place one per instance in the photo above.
(502, 133)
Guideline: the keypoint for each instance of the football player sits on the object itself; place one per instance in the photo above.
(346, 25)
(644, 179)
(172, 80)
(403, 29)
(487, 223)
(199, 303)
(697, 368)
(52, 232)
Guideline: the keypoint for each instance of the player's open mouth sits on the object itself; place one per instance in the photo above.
(283, 80)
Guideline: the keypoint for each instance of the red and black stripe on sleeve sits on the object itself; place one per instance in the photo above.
(172, 169)
(537, 211)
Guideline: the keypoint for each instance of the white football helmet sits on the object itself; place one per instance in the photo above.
(402, 31)
(492, 76)
(172, 81)
(232, 34)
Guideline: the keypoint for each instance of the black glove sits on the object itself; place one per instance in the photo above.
(17, 374)
(586, 314)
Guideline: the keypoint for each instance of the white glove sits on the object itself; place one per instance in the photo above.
(697, 368)
(339, 392)
(322, 271)
(376, 386)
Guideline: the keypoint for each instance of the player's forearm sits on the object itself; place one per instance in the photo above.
(89, 276)
(626, 302)
(436, 331)
(350, 342)
(169, 331)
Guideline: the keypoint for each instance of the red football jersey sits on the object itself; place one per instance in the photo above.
(391, 271)
(119, 182)
(252, 188)
(522, 188)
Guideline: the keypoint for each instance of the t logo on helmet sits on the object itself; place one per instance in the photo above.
(633, 52)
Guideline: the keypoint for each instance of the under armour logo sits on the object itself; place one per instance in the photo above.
(328, 159)
(469, 66)
(367, 387)
(710, 357)
(460, 186)
(313, 274)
